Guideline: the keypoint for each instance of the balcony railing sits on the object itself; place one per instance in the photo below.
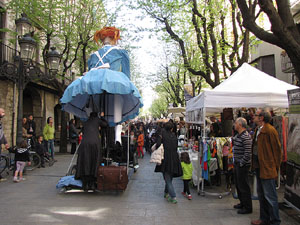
(7, 55)
(286, 64)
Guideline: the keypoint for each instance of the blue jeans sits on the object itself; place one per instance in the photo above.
(267, 196)
(169, 186)
(51, 148)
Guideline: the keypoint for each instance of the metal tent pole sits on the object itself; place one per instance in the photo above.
(128, 148)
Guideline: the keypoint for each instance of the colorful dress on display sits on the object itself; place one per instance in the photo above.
(108, 76)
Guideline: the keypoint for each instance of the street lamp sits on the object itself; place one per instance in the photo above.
(23, 25)
(25, 70)
(53, 60)
(27, 46)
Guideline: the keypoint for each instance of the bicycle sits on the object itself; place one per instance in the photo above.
(48, 159)
(34, 158)
(6, 162)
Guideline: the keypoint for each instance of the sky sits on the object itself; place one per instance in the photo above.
(148, 52)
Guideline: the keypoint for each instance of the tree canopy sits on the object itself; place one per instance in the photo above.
(284, 33)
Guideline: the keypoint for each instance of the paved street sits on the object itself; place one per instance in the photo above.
(36, 201)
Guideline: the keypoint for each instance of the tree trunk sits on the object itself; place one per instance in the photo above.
(63, 133)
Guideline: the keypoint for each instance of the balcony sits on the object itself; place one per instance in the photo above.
(286, 64)
(295, 10)
(7, 55)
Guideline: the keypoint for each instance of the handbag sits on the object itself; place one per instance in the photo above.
(158, 155)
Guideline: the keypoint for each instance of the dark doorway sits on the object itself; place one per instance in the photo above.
(32, 105)
(57, 121)
(27, 103)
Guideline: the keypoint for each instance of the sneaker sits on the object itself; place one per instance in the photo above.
(172, 200)
(189, 197)
(166, 195)
(184, 194)
(16, 180)
(22, 179)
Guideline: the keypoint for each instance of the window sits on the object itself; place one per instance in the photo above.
(266, 64)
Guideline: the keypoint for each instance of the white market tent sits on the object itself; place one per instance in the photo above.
(176, 112)
(247, 87)
(176, 109)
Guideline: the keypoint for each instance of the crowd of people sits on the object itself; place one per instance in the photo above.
(42, 144)
(256, 147)
(255, 142)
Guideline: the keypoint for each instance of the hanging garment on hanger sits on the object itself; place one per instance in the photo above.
(205, 161)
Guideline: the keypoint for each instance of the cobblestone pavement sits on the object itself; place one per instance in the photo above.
(36, 201)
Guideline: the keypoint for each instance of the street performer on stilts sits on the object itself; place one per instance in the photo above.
(105, 89)
(115, 59)
(112, 57)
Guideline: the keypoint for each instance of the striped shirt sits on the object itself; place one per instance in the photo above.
(242, 148)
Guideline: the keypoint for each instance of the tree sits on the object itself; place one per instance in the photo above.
(159, 107)
(200, 30)
(171, 77)
(284, 32)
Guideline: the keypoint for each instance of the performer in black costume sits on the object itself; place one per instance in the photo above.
(90, 151)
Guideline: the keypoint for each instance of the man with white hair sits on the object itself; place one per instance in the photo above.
(242, 160)
(3, 140)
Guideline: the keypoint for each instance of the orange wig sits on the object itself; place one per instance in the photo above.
(111, 32)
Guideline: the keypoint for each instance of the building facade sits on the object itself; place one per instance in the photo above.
(40, 99)
(274, 60)
(269, 59)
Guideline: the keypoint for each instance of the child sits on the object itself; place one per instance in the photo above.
(40, 150)
(187, 169)
(140, 143)
(21, 157)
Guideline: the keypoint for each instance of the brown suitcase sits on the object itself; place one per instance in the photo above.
(112, 178)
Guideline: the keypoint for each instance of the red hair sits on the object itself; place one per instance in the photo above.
(111, 32)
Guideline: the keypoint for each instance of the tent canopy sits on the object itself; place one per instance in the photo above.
(247, 87)
(176, 109)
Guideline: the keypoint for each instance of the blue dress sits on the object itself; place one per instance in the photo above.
(95, 90)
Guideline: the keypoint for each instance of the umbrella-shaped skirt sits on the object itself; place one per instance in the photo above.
(96, 91)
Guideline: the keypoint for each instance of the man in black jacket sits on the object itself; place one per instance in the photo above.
(31, 128)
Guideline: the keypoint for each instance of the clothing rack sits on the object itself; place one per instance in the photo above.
(201, 180)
